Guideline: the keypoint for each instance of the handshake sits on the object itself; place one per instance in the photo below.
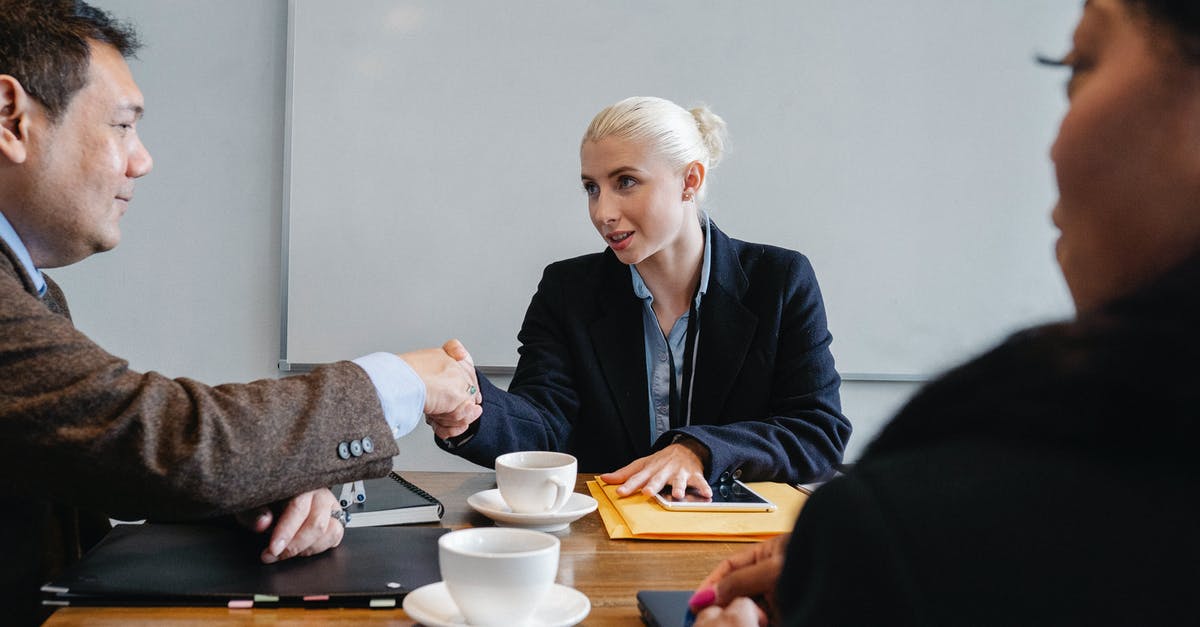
(452, 396)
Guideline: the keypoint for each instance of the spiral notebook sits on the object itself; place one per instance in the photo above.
(393, 500)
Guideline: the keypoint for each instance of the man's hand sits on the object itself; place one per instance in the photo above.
(304, 527)
(456, 421)
(680, 464)
(449, 381)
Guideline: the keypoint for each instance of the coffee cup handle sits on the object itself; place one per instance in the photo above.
(563, 492)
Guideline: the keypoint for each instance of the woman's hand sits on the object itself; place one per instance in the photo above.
(304, 527)
(742, 612)
(753, 572)
(680, 464)
(455, 422)
(448, 374)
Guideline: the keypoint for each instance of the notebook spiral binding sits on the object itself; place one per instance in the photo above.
(411, 486)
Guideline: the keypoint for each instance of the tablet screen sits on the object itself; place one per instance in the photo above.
(729, 496)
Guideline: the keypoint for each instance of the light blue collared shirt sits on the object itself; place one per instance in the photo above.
(401, 392)
(10, 237)
(657, 352)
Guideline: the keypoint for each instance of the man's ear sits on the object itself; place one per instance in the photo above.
(15, 108)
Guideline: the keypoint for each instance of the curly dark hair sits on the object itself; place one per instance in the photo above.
(1182, 19)
(44, 45)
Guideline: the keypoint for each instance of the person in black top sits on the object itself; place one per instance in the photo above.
(1052, 480)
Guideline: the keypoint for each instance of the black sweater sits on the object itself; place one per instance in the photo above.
(1051, 481)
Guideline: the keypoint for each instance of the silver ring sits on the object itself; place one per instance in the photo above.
(341, 516)
(471, 390)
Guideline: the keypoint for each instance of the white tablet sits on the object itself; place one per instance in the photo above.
(733, 497)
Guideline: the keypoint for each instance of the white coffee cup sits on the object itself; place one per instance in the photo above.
(535, 482)
(498, 575)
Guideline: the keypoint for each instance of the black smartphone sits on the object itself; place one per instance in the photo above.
(665, 608)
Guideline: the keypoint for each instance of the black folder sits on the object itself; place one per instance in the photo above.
(197, 565)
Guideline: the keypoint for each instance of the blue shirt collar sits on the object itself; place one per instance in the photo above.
(10, 237)
(643, 292)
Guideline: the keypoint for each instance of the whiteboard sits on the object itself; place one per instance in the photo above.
(902, 146)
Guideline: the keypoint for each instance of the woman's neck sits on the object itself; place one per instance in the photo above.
(673, 274)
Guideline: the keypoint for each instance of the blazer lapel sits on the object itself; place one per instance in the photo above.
(618, 341)
(727, 328)
(10, 264)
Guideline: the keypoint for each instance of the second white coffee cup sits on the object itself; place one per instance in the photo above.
(535, 482)
(497, 575)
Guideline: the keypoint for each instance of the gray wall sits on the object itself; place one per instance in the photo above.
(193, 288)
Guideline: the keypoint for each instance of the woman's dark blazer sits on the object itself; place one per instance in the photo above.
(766, 392)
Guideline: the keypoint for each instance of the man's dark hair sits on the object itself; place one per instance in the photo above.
(44, 45)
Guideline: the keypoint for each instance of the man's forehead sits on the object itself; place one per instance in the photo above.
(109, 73)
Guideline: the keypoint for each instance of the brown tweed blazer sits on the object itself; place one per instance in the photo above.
(81, 432)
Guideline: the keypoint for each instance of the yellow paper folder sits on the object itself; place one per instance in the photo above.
(640, 517)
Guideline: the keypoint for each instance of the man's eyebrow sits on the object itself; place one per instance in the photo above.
(138, 110)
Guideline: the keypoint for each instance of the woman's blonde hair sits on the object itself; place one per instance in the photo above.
(677, 134)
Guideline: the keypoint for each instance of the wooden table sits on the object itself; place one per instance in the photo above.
(609, 572)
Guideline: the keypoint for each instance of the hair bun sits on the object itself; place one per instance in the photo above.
(712, 132)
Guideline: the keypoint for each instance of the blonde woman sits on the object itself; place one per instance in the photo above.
(678, 356)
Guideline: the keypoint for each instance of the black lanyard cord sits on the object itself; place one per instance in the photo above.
(681, 401)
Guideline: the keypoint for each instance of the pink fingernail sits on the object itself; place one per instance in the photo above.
(703, 598)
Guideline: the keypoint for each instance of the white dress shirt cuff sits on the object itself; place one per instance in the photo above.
(401, 391)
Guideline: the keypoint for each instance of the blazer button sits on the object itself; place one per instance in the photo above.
(724, 478)
(344, 450)
(368, 445)
(356, 448)
(737, 474)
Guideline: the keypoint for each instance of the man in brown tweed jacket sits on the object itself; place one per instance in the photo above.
(82, 436)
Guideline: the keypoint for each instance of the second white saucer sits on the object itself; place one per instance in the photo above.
(491, 504)
(432, 606)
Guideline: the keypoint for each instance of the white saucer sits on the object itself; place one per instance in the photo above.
(491, 504)
(432, 606)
